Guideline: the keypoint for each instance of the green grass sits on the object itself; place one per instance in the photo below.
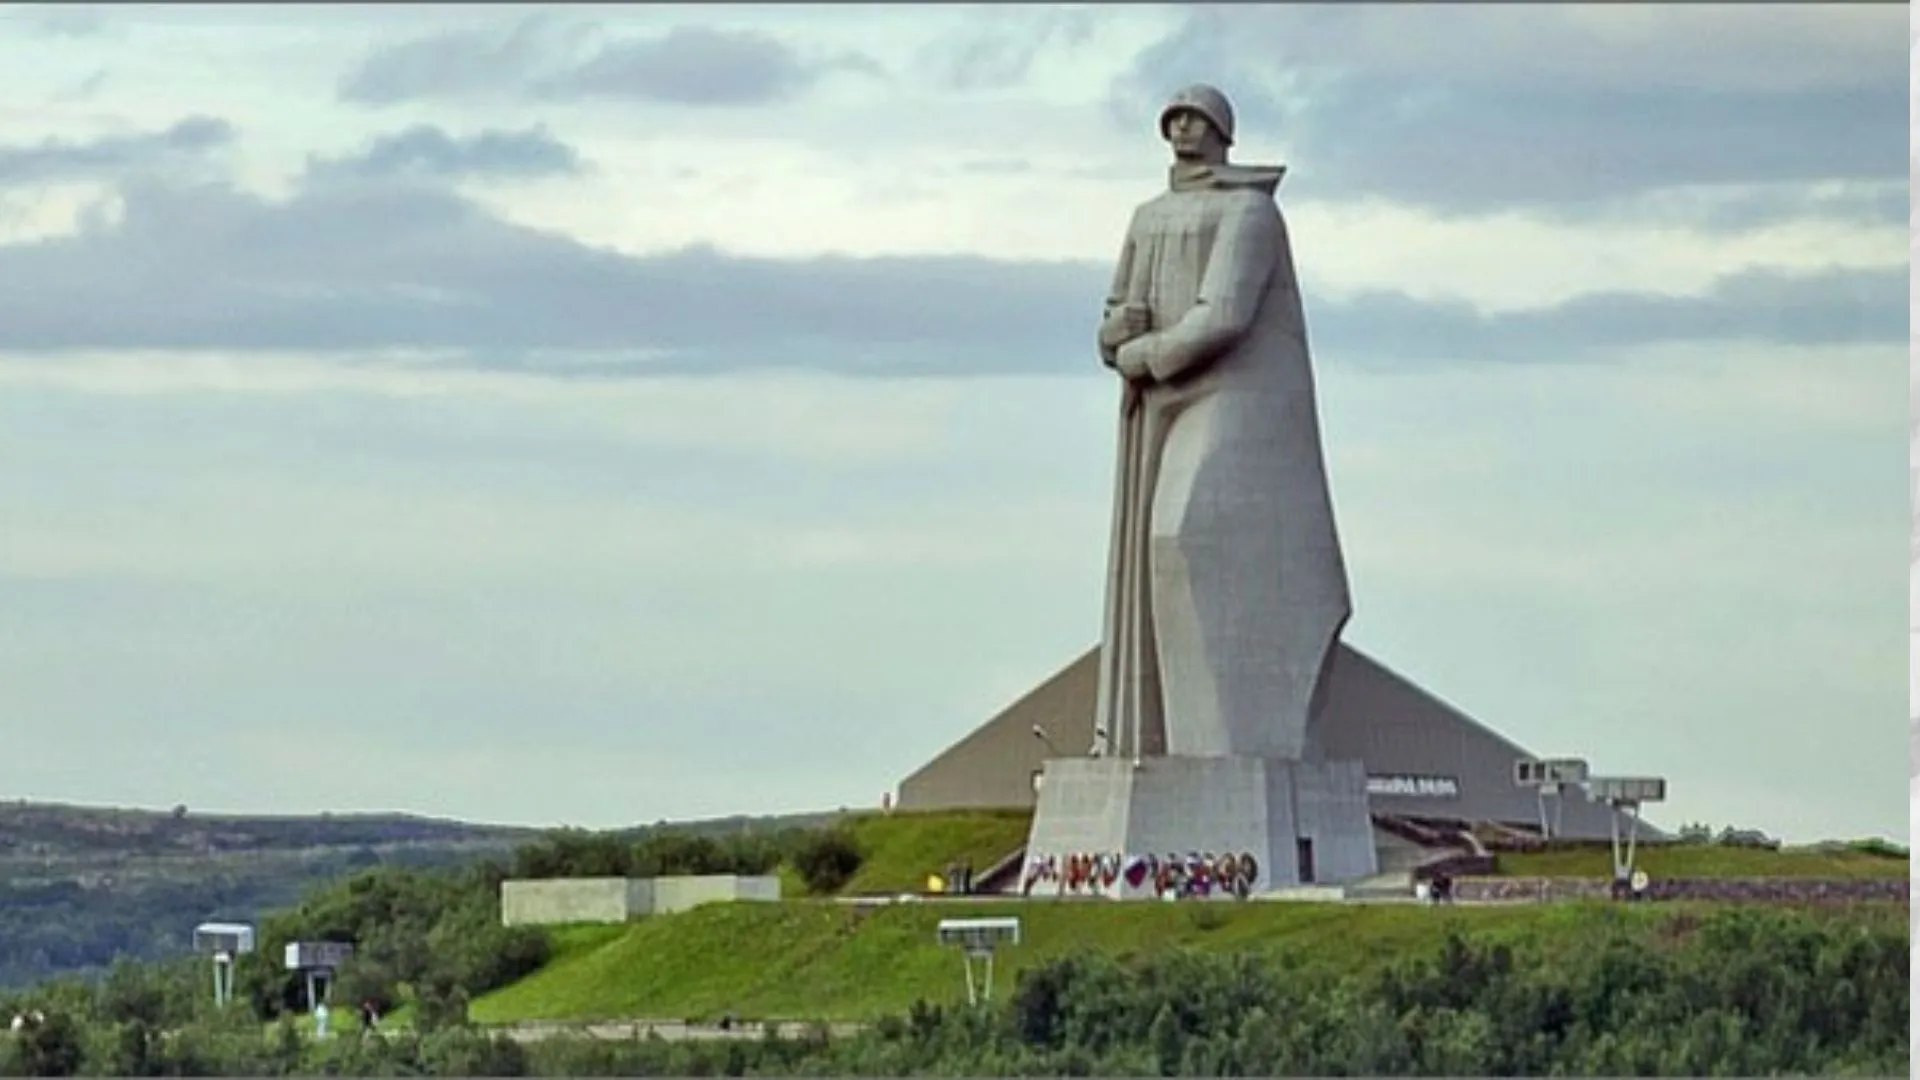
(814, 960)
(1708, 861)
(900, 849)
(811, 960)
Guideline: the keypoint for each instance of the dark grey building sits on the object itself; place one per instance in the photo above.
(1424, 758)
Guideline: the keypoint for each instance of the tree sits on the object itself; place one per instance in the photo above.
(827, 860)
(51, 1047)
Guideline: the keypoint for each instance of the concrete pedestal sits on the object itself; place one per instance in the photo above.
(1197, 826)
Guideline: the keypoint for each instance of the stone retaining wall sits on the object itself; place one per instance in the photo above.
(1752, 890)
(551, 901)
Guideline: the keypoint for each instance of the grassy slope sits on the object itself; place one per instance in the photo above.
(827, 961)
(901, 849)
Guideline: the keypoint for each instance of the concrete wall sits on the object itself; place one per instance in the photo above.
(671, 894)
(571, 900)
(1330, 809)
(1719, 890)
(1372, 714)
(550, 901)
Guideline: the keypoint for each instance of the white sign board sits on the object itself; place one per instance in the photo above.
(1639, 789)
(317, 955)
(1420, 787)
(980, 933)
(1566, 771)
(230, 938)
(1528, 772)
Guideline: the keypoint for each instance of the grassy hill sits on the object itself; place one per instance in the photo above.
(901, 849)
(811, 960)
(818, 960)
(63, 833)
(80, 886)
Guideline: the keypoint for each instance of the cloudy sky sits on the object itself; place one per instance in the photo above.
(606, 414)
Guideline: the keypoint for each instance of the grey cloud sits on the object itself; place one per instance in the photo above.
(464, 63)
(1744, 208)
(1551, 147)
(1476, 129)
(1002, 53)
(373, 267)
(62, 20)
(428, 151)
(692, 65)
(545, 59)
(1837, 307)
(112, 155)
(369, 266)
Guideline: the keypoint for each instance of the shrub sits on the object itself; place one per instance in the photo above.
(827, 860)
(1879, 846)
(51, 1047)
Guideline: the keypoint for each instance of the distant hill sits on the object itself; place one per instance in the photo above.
(81, 885)
(58, 831)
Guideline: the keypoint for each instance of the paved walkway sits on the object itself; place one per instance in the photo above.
(670, 1030)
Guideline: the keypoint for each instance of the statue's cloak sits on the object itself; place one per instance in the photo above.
(1226, 588)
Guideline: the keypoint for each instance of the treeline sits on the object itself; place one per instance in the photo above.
(825, 859)
(430, 938)
(51, 928)
(1738, 992)
(65, 927)
(48, 829)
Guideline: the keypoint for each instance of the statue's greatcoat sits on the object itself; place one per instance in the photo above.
(1226, 587)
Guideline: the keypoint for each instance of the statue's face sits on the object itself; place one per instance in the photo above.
(1192, 136)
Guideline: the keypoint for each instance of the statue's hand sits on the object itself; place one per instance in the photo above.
(1125, 323)
(1130, 360)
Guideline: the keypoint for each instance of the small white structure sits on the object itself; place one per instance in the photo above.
(1550, 777)
(317, 955)
(219, 937)
(977, 939)
(319, 960)
(225, 942)
(1627, 793)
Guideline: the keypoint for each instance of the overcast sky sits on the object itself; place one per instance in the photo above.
(606, 414)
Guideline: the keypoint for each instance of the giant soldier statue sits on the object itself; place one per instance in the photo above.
(1226, 589)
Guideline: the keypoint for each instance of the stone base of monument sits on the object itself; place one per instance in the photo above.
(1197, 827)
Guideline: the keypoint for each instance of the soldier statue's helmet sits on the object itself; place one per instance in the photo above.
(1206, 101)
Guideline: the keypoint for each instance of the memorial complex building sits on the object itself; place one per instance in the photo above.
(1423, 757)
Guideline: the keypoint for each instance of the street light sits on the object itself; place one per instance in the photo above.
(1041, 734)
